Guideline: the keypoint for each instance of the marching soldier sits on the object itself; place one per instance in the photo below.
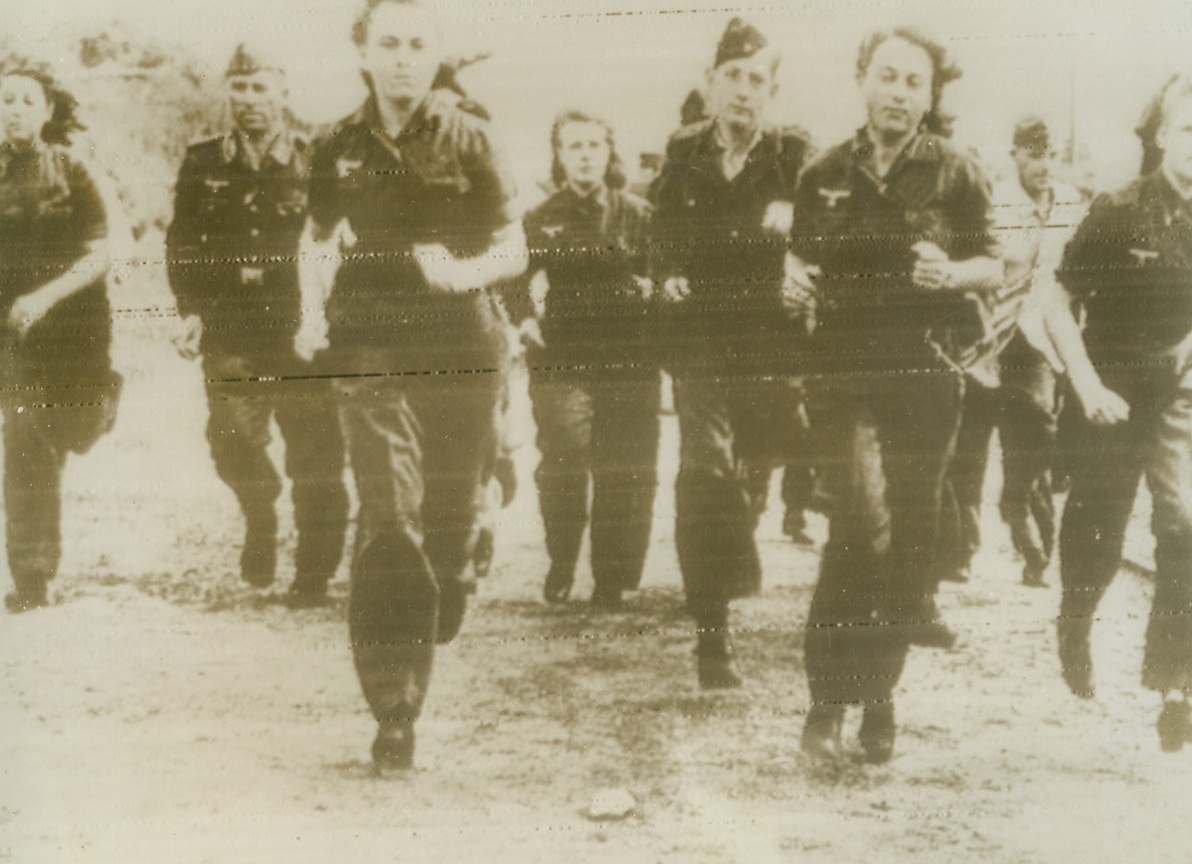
(418, 194)
(723, 209)
(1130, 263)
(892, 230)
(239, 210)
(594, 377)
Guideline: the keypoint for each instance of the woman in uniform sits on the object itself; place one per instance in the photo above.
(59, 389)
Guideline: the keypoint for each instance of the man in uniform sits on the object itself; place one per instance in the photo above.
(239, 210)
(414, 188)
(723, 210)
(1130, 263)
(1012, 381)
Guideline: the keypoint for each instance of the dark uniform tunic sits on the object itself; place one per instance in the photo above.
(595, 386)
(419, 377)
(886, 401)
(232, 256)
(1131, 265)
(59, 390)
(730, 346)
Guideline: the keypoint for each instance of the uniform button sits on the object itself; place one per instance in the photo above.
(255, 232)
(734, 233)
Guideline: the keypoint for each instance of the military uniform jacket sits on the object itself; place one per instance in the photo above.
(231, 250)
(50, 211)
(708, 229)
(595, 319)
(1130, 262)
(439, 181)
(860, 231)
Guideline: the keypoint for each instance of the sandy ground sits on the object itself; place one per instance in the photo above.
(160, 711)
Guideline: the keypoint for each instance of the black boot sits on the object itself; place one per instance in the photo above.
(1075, 656)
(877, 732)
(31, 594)
(922, 625)
(307, 592)
(558, 585)
(821, 731)
(714, 655)
(393, 748)
(606, 598)
(258, 560)
(1175, 725)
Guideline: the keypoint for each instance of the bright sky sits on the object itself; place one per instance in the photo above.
(1094, 61)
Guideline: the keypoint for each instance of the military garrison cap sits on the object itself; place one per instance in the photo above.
(1031, 133)
(740, 40)
(249, 60)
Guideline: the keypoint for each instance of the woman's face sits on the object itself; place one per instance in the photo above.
(24, 109)
(584, 153)
(897, 87)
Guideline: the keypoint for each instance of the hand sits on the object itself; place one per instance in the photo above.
(799, 291)
(779, 218)
(645, 287)
(188, 333)
(934, 270)
(1102, 407)
(529, 333)
(440, 268)
(676, 288)
(26, 311)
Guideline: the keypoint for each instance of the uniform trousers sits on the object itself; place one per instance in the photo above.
(886, 439)
(599, 431)
(243, 394)
(1106, 466)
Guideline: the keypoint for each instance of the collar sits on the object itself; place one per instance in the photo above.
(732, 163)
(430, 114)
(923, 147)
(597, 198)
(281, 150)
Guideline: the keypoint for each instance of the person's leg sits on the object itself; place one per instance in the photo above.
(849, 657)
(918, 418)
(1028, 437)
(456, 416)
(714, 521)
(563, 412)
(238, 432)
(393, 607)
(965, 482)
(306, 415)
(624, 478)
(1105, 465)
(32, 504)
(1167, 665)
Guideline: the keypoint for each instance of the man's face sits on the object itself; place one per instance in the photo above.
(584, 153)
(24, 109)
(1034, 169)
(1175, 137)
(740, 91)
(897, 87)
(402, 52)
(258, 102)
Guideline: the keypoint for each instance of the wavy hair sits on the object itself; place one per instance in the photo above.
(614, 174)
(943, 70)
(63, 105)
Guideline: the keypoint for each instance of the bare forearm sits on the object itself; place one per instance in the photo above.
(1069, 342)
(507, 258)
(980, 275)
(86, 271)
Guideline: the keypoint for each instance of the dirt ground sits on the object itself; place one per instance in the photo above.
(161, 711)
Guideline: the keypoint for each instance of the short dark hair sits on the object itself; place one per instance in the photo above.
(63, 105)
(614, 175)
(364, 16)
(943, 69)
